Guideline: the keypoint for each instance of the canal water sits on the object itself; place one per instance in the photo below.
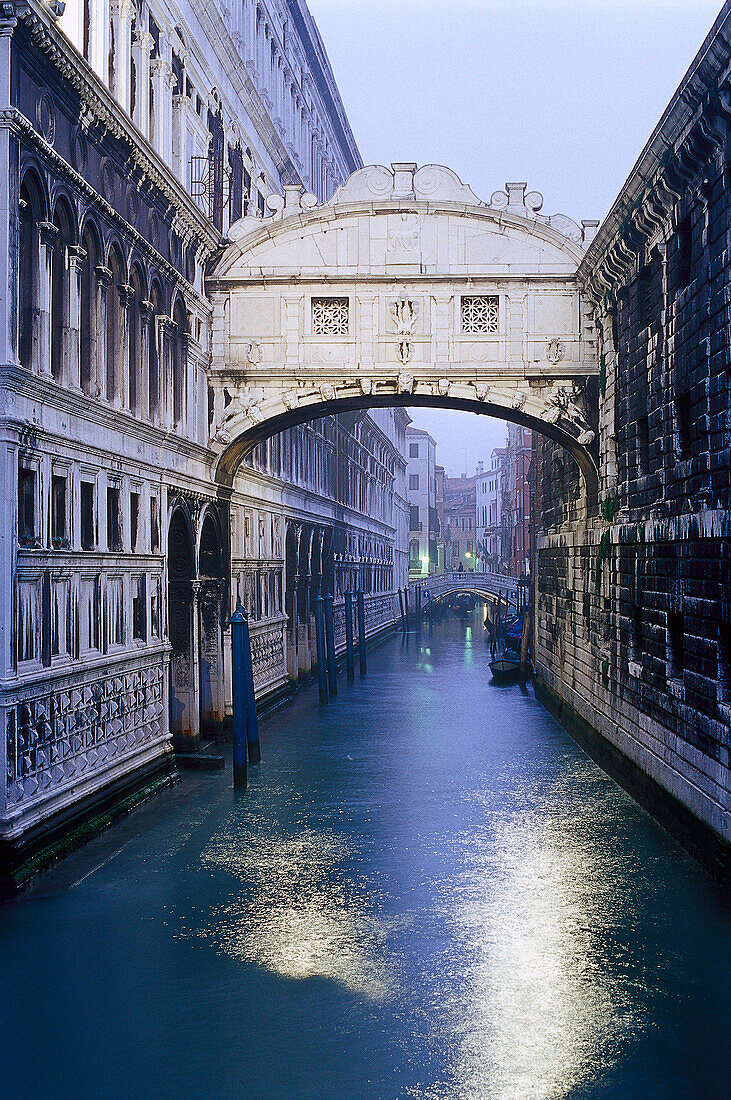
(428, 891)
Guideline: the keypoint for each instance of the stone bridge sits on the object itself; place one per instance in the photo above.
(404, 289)
(489, 587)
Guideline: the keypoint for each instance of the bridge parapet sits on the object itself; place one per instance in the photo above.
(487, 585)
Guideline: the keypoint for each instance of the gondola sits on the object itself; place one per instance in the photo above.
(505, 670)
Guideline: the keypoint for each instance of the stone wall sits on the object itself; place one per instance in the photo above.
(633, 634)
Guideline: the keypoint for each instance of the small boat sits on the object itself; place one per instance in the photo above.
(505, 671)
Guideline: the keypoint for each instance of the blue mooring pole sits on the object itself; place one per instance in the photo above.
(349, 656)
(252, 723)
(239, 697)
(332, 668)
(321, 659)
(361, 629)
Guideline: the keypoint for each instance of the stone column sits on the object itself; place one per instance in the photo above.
(71, 369)
(125, 293)
(179, 138)
(141, 55)
(99, 37)
(47, 234)
(103, 283)
(143, 394)
(122, 12)
(160, 73)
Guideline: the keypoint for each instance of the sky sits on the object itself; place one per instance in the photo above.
(562, 94)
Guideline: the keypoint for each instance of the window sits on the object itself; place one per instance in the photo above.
(115, 610)
(480, 313)
(724, 661)
(89, 613)
(636, 633)
(134, 520)
(676, 645)
(413, 481)
(413, 450)
(59, 532)
(27, 507)
(330, 316)
(414, 552)
(644, 295)
(154, 526)
(88, 520)
(60, 618)
(139, 609)
(114, 518)
(683, 422)
(643, 444)
(684, 252)
(155, 606)
(414, 523)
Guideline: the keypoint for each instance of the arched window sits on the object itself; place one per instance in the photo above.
(153, 356)
(180, 354)
(88, 313)
(114, 334)
(62, 219)
(136, 342)
(32, 210)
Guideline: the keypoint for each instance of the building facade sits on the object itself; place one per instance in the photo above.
(421, 490)
(516, 503)
(489, 489)
(458, 509)
(133, 135)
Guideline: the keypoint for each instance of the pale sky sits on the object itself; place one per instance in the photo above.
(562, 94)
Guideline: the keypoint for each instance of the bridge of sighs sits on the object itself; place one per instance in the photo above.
(404, 289)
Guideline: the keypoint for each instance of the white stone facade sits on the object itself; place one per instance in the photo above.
(116, 559)
(421, 489)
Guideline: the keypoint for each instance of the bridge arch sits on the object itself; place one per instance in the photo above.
(404, 289)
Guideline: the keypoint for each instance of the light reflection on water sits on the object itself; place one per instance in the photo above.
(298, 917)
(539, 1015)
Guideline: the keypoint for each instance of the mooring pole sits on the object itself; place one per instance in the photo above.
(332, 668)
(401, 609)
(252, 723)
(406, 606)
(524, 644)
(239, 697)
(349, 655)
(320, 641)
(361, 629)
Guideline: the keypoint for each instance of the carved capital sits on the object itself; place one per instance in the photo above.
(48, 233)
(125, 293)
(104, 276)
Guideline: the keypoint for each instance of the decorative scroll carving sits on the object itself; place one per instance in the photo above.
(405, 351)
(565, 410)
(555, 351)
(404, 313)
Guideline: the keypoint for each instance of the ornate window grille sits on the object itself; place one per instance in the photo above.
(480, 313)
(330, 316)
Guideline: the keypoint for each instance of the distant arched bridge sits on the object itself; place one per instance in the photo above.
(489, 587)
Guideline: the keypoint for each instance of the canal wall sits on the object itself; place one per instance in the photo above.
(633, 595)
(668, 754)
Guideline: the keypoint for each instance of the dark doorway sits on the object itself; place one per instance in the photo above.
(184, 724)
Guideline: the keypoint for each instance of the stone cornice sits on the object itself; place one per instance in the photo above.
(43, 389)
(105, 110)
(683, 140)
